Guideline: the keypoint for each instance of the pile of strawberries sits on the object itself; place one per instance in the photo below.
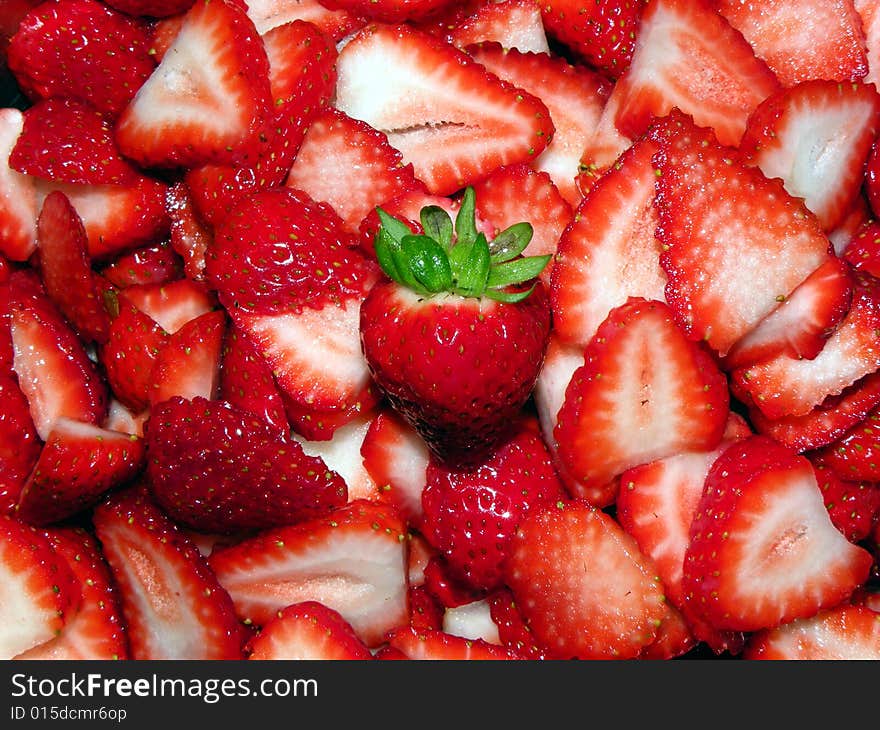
(417, 329)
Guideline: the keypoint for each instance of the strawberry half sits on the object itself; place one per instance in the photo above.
(174, 608)
(244, 475)
(582, 585)
(763, 550)
(442, 646)
(735, 243)
(205, 101)
(97, 630)
(78, 464)
(308, 631)
(40, 592)
(449, 117)
(353, 561)
(644, 392)
(61, 49)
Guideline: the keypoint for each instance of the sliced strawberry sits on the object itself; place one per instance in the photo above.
(514, 24)
(513, 632)
(61, 48)
(320, 424)
(389, 11)
(205, 101)
(190, 237)
(783, 386)
(302, 77)
(687, 56)
(470, 514)
(853, 504)
(349, 165)
(97, 630)
(735, 242)
(217, 469)
(862, 251)
(116, 217)
(153, 264)
(20, 443)
(442, 583)
(674, 637)
(449, 117)
(870, 18)
(841, 633)
(560, 363)
(602, 34)
(171, 304)
(800, 40)
(471, 621)
(425, 610)
(763, 550)
(352, 561)
(246, 381)
(396, 457)
(442, 646)
(643, 393)
(66, 269)
(517, 193)
(604, 146)
(608, 253)
(174, 608)
(129, 356)
(582, 585)
(188, 365)
(341, 452)
(53, 368)
(268, 14)
(826, 422)
(307, 631)
(816, 136)
(68, 140)
(18, 214)
(856, 454)
(801, 325)
(151, 8)
(123, 419)
(857, 217)
(574, 95)
(78, 464)
(40, 592)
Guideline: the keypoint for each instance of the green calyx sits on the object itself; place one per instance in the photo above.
(455, 257)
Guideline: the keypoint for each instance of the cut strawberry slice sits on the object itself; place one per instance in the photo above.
(171, 304)
(269, 14)
(643, 393)
(188, 365)
(687, 56)
(189, 235)
(582, 585)
(66, 269)
(53, 368)
(763, 550)
(97, 630)
(18, 216)
(154, 264)
(801, 325)
(841, 633)
(174, 608)
(69, 140)
(206, 99)
(852, 504)
(516, 193)
(609, 252)
(353, 561)
(351, 166)
(574, 95)
(40, 593)
(817, 39)
(783, 386)
(862, 251)
(816, 137)
(78, 464)
(61, 48)
(735, 243)
(514, 24)
(856, 454)
(307, 631)
(396, 457)
(449, 117)
(217, 469)
(442, 646)
(20, 443)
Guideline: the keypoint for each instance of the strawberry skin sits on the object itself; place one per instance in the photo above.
(763, 550)
(215, 468)
(18, 218)
(471, 514)
(20, 444)
(443, 365)
(173, 606)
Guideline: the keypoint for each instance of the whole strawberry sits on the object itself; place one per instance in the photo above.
(454, 338)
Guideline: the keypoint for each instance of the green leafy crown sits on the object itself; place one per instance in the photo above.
(456, 257)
